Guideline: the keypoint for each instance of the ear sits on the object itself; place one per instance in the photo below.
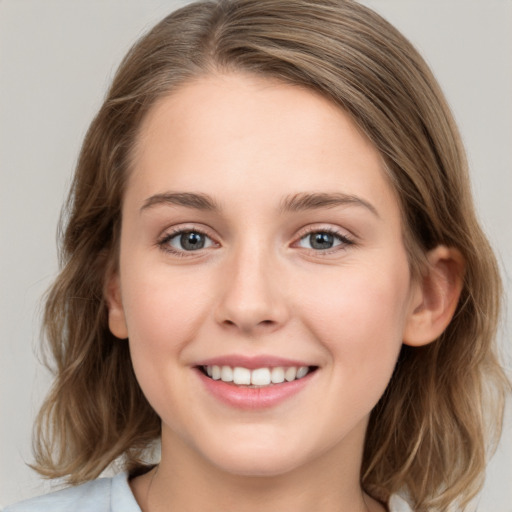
(436, 296)
(116, 316)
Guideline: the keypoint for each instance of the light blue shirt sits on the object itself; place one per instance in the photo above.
(110, 495)
(101, 495)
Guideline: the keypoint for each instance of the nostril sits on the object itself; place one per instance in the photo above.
(250, 327)
(263, 322)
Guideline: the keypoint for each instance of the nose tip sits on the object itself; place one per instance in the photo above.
(251, 299)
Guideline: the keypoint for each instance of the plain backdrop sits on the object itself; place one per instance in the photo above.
(57, 58)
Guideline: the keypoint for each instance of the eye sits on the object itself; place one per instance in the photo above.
(323, 240)
(186, 241)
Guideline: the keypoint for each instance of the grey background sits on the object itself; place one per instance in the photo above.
(56, 60)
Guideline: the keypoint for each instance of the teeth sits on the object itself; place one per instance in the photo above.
(302, 372)
(215, 372)
(290, 373)
(277, 375)
(226, 374)
(241, 375)
(258, 377)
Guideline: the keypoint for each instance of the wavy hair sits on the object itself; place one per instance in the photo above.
(430, 433)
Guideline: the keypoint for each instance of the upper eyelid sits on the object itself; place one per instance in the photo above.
(343, 233)
(173, 231)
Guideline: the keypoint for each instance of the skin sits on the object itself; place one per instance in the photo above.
(259, 287)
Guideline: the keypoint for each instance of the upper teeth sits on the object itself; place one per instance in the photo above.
(258, 377)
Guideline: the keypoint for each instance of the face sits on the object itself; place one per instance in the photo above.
(263, 282)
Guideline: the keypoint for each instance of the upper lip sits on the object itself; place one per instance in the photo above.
(251, 362)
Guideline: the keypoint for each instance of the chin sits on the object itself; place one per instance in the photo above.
(261, 467)
(258, 459)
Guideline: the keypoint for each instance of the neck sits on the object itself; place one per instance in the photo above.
(187, 482)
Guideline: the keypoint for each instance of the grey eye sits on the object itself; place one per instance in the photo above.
(320, 241)
(190, 241)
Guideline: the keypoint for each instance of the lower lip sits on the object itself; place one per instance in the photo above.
(242, 397)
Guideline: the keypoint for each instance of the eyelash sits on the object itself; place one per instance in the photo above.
(163, 243)
(345, 241)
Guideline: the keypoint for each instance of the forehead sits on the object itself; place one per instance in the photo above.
(240, 134)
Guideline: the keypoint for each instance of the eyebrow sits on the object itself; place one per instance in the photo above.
(317, 200)
(188, 199)
(294, 203)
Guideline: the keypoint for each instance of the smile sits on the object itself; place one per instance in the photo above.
(257, 377)
(254, 383)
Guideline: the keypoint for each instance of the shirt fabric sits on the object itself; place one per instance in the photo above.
(110, 495)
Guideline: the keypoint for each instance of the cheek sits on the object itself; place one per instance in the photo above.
(163, 312)
(359, 317)
(163, 315)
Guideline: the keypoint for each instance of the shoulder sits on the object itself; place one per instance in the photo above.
(101, 495)
(398, 504)
(80, 498)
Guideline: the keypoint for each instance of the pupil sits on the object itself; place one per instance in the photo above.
(321, 240)
(192, 241)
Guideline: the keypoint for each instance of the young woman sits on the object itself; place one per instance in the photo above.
(272, 268)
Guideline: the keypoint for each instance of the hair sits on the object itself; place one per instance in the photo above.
(430, 434)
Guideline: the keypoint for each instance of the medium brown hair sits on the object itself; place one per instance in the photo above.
(429, 433)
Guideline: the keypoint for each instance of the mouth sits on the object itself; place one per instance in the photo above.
(263, 377)
(255, 383)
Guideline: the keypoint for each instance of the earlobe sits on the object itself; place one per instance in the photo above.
(436, 297)
(116, 316)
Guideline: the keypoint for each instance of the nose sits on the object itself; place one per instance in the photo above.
(252, 297)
